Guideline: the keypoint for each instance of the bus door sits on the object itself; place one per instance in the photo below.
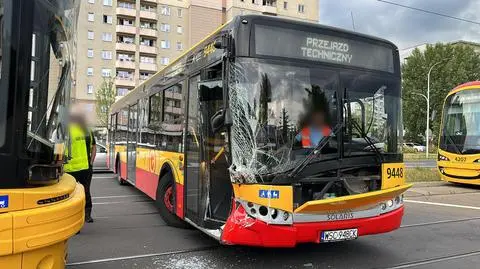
(111, 141)
(207, 184)
(132, 142)
(218, 187)
(192, 153)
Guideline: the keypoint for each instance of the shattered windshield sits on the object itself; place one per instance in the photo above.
(461, 120)
(280, 112)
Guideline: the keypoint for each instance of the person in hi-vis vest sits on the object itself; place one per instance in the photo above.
(314, 130)
(78, 165)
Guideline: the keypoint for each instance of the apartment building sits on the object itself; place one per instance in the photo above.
(130, 40)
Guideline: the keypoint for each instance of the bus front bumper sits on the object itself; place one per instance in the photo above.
(241, 229)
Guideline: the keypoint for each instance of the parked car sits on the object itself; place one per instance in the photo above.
(415, 146)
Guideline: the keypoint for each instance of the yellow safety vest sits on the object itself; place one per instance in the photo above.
(78, 147)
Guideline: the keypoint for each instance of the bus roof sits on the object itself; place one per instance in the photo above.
(464, 85)
(137, 91)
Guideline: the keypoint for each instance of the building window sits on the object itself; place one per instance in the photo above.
(179, 29)
(179, 46)
(285, 5)
(90, 53)
(165, 10)
(301, 8)
(125, 57)
(89, 88)
(91, 16)
(106, 72)
(90, 34)
(148, 25)
(122, 91)
(91, 1)
(126, 39)
(164, 60)
(165, 27)
(126, 22)
(107, 55)
(107, 3)
(146, 59)
(180, 12)
(107, 37)
(147, 42)
(165, 44)
(107, 19)
(90, 71)
(125, 75)
(145, 75)
(126, 5)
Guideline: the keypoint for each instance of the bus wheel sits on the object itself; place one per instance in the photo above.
(165, 201)
(120, 180)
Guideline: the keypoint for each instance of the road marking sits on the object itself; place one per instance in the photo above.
(120, 202)
(442, 204)
(97, 177)
(116, 196)
(435, 260)
(141, 256)
(438, 222)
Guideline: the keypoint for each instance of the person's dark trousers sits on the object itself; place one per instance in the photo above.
(84, 177)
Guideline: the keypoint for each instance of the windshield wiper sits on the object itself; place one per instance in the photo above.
(449, 138)
(368, 140)
(315, 152)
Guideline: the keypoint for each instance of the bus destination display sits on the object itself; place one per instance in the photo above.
(291, 43)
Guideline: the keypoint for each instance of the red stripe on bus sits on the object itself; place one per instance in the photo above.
(147, 182)
(123, 170)
(179, 199)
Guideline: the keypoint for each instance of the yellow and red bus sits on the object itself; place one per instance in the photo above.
(40, 206)
(213, 138)
(459, 144)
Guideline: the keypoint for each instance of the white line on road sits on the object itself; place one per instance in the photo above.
(116, 196)
(140, 256)
(97, 177)
(438, 222)
(435, 260)
(442, 204)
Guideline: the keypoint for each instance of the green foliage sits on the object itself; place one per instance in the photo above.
(460, 64)
(105, 97)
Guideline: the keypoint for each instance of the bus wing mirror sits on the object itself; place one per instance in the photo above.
(221, 120)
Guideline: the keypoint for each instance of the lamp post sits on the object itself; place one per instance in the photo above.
(428, 104)
(428, 117)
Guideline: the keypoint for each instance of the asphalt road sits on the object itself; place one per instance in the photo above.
(441, 230)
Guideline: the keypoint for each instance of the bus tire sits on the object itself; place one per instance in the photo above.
(120, 180)
(165, 201)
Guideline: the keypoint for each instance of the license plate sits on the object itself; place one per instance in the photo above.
(339, 235)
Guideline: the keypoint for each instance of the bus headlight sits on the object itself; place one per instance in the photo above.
(442, 158)
(267, 214)
(392, 204)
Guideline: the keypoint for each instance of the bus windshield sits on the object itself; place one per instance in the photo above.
(461, 123)
(281, 111)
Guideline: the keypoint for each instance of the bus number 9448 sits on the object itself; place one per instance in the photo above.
(395, 172)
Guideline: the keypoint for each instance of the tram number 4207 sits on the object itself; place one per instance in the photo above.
(395, 172)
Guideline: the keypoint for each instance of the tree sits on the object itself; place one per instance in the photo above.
(105, 96)
(459, 64)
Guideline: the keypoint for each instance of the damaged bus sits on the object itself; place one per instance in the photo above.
(269, 132)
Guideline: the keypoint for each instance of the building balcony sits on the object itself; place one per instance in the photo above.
(148, 49)
(148, 32)
(148, 15)
(125, 82)
(150, 1)
(125, 64)
(126, 29)
(126, 11)
(148, 67)
(272, 10)
(125, 47)
(173, 110)
(173, 95)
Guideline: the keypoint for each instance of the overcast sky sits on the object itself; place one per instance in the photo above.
(403, 26)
